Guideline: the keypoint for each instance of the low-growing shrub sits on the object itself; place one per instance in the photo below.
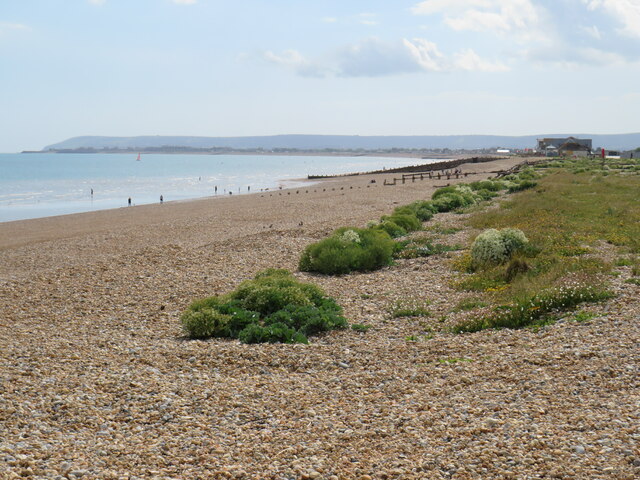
(423, 210)
(447, 199)
(273, 307)
(340, 253)
(408, 221)
(490, 185)
(449, 202)
(520, 186)
(493, 247)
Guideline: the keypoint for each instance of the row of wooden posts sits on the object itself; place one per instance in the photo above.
(428, 175)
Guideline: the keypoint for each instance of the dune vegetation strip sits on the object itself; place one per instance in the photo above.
(576, 208)
(351, 249)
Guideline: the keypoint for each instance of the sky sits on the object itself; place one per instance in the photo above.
(341, 67)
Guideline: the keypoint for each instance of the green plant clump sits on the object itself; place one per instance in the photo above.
(447, 199)
(348, 250)
(274, 307)
(493, 247)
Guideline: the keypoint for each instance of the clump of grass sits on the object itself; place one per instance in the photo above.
(623, 262)
(442, 230)
(469, 304)
(528, 311)
(409, 308)
(583, 316)
(359, 327)
(274, 307)
(423, 247)
(454, 360)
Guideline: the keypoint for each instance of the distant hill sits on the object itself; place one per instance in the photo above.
(348, 142)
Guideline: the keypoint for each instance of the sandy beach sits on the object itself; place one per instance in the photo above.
(97, 381)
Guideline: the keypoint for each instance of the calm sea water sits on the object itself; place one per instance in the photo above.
(40, 185)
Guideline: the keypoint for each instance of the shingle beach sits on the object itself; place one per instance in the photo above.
(98, 382)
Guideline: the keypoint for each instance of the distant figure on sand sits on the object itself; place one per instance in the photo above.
(215, 189)
(161, 199)
(129, 201)
(92, 192)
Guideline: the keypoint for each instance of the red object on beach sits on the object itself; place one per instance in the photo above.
(602, 153)
(138, 159)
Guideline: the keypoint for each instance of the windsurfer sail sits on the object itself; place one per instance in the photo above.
(138, 159)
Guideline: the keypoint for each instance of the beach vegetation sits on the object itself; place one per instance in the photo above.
(409, 308)
(273, 307)
(362, 251)
(567, 219)
(528, 311)
(468, 304)
(359, 327)
(494, 247)
(423, 247)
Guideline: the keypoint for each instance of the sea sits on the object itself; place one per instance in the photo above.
(37, 185)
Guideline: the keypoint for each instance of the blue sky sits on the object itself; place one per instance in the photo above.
(249, 67)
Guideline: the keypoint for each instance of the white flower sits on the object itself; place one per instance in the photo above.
(350, 236)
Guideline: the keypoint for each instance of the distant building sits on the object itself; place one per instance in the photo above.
(631, 154)
(574, 149)
(570, 146)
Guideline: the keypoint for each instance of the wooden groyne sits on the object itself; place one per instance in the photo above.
(415, 169)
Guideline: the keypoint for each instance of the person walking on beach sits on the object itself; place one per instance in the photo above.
(161, 199)
(129, 201)
(215, 189)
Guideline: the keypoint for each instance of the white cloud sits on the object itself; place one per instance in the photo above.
(97, 2)
(626, 12)
(295, 61)
(572, 57)
(368, 19)
(13, 26)
(375, 58)
(425, 54)
(185, 2)
(6, 27)
(329, 19)
(592, 31)
(471, 61)
(497, 16)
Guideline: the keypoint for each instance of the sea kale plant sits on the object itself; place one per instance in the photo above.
(273, 307)
(493, 247)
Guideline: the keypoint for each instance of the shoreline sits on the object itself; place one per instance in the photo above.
(277, 184)
(100, 220)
